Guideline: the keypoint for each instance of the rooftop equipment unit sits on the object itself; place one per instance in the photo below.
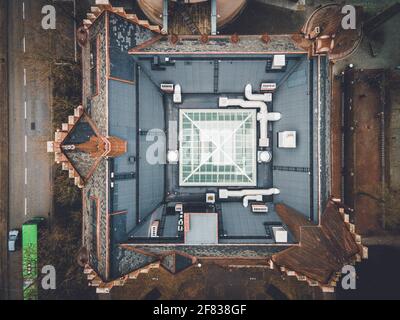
(264, 156)
(268, 86)
(278, 62)
(287, 139)
(179, 207)
(177, 94)
(210, 198)
(154, 229)
(280, 234)
(259, 208)
(167, 87)
(246, 199)
(173, 156)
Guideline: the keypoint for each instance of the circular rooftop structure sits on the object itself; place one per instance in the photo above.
(325, 26)
(227, 10)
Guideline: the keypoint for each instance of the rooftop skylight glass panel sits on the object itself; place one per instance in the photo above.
(217, 147)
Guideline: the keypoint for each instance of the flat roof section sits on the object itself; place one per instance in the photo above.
(201, 228)
(217, 147)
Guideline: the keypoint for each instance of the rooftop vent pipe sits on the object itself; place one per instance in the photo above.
(246, 199)
(225, 193)
(177, 94)
(248, 92)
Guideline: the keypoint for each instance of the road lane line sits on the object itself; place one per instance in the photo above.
(24, 44)
(26, 143)
(23, 10)
(24, 77)
(26, 206)
(25, 111)
(26, 175)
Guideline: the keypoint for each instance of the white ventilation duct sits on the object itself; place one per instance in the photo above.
(246, 199)
(248, 92)
(225, 193)
(177, 94)
(263, 116)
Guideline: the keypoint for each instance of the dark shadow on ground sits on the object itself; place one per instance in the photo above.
(258, 18)
(377, 277)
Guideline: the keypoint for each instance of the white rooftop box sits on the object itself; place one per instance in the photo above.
(280, 234)
(210, 197)
(177, 94)
(167, 87)
(279, 61)
(259, 208)
(287, 139)
(154, 229)
(268, 86)
(179, 207)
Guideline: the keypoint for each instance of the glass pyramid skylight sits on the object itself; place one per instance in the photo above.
(217, 147)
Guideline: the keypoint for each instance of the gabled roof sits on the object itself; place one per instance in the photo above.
(128, 260)
(99, 8)
(323, 249)
(292, 219)
(176, 262)
(79, 146)
(83, 132)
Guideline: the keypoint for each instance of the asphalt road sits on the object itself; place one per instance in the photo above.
(31, 53)
(3, 152)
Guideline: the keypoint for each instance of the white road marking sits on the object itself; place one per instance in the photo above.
(23, 10)
(26, 175)
(24, 77)
(26, 206)
(24, 44)
(25, 110)
(26, 143)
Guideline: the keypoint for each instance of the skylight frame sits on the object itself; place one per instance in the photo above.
(195, 167)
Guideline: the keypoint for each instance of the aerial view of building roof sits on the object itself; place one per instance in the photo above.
(199, 150)
(220, 155)
(222, 150)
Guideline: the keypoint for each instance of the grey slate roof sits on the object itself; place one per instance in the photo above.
(220, 44)
(175, 262)
(125, 261)
(228, 251)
